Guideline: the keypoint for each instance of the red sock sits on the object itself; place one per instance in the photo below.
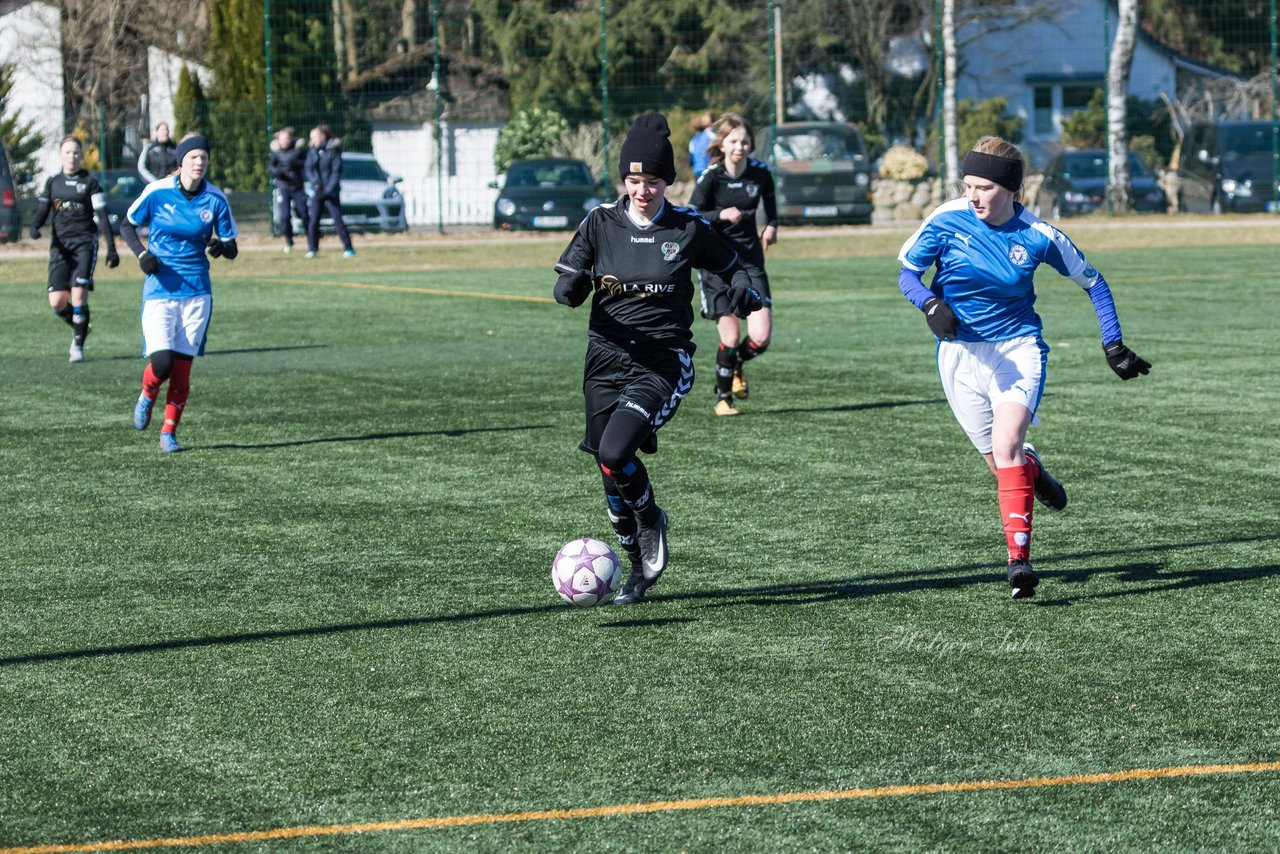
(1015, 487)
(176, 400)
(150, 383)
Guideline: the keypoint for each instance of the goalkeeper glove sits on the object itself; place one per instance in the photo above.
(1126, 363)
(942, 320)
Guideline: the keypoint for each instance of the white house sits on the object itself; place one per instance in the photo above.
(456, 193)
(1049, 68)
(31, 41)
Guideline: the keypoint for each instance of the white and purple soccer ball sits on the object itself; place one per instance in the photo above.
(586, 572)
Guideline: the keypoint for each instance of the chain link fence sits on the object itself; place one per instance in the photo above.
(428, 86)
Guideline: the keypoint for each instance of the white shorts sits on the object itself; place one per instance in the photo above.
(176, 324)
(978, 376)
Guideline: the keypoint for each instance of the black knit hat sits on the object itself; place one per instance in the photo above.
(190, 144)
(647, 149)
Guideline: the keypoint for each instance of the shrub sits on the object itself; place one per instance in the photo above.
(903, 163)
(530, 133)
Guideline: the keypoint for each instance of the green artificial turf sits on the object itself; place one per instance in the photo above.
(334, 606)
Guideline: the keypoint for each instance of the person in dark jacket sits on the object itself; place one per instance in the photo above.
(288, 157)
(323, 168)
(159, 159)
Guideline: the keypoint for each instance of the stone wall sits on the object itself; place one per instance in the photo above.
(904, 201)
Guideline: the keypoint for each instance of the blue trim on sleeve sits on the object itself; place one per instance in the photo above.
(912, 287)
(1105, 307)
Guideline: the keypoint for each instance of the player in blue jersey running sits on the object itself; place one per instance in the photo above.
(985, 249)
(186, 217)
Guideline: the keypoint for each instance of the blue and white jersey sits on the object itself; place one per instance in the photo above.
(178, 229)
(985, 273)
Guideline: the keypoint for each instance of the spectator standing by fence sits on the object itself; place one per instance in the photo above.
(159, 158)
(323, 168)
(285, 165)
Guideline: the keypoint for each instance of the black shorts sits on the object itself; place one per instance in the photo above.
(715, 291)
(72, 265)
(648, 384)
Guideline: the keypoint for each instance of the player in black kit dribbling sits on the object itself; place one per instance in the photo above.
(637, 255)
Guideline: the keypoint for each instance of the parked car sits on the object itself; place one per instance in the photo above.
(1226, 166)
(10, 220)
(545, 193)
(821, 171)
(1075, 183)
(370, 199)
(122, 187)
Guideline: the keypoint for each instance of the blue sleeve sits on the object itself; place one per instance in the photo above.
(1105, 307)
(227, 230)
(912, 287)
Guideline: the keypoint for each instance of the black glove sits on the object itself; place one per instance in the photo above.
(214, 246)
(35, 233)
(148, 263)
(744, 299)
(1126, 363)
(113, 258)
(573, 287)
(942, 320)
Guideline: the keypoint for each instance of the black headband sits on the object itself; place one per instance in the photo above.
(190, 144)
(1005, 171)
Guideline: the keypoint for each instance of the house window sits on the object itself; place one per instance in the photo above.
(1076, 98)
(1042, 118)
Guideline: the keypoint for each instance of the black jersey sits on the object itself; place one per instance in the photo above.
(72, 201)
(717, 189)
(644, 293)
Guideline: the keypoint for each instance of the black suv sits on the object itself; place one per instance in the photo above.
(10, 222)
(1226, 166)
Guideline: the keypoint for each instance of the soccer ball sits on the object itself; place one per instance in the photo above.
(586, 572)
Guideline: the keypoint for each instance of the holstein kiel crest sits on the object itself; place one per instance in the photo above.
(1018, 254)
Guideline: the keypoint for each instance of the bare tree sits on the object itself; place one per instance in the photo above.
(1118, 182)
(950, 124)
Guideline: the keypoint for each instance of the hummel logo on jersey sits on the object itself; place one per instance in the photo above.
(635, 239)
(1026, 517)
(965, 237)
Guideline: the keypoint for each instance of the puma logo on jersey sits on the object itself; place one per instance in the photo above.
(965, 237)
(1025, 517)
(170, 207)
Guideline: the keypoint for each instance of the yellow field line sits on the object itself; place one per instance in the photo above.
(408, 290)
(654, 806)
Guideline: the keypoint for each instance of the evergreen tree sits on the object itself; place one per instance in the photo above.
(305, 77)
(238, 126)
(20, 139)
(190, 106)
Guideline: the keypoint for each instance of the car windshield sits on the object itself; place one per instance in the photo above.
(1246, 139)
(548, 175)
(359, 169)
(1094, 165)
(816, 144)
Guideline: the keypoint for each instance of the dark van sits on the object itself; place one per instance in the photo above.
(10, 222)
(1226, 166)
(821, 172)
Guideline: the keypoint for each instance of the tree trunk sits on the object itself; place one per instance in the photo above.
(409, 22)
(950, 123)
(1119, 184)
